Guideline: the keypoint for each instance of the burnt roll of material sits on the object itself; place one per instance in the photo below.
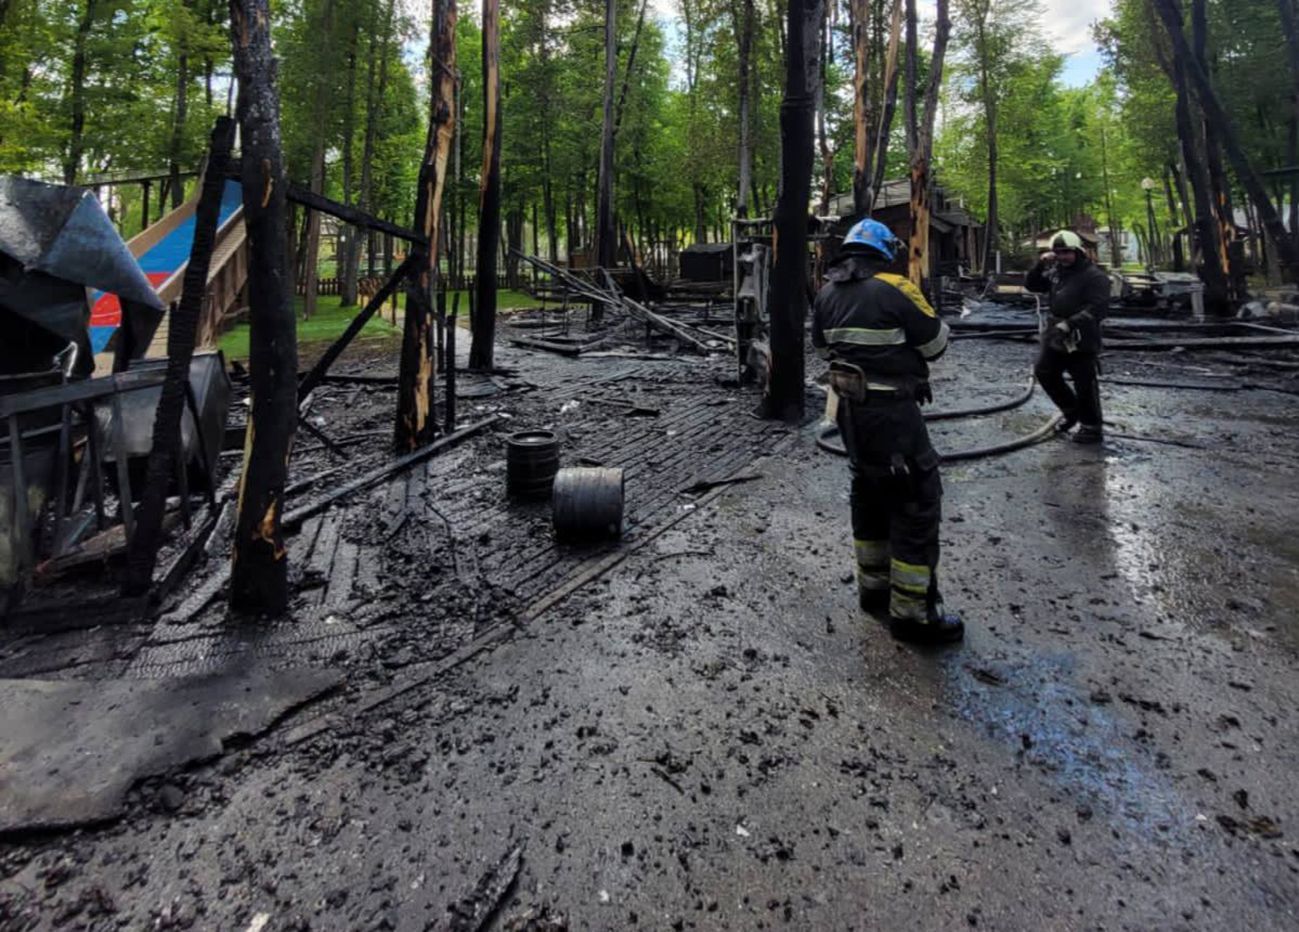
(531, 461)
(587, 504)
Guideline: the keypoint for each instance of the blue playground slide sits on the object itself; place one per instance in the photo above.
(159, 263)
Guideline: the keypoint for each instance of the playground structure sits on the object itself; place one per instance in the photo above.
(162, 251)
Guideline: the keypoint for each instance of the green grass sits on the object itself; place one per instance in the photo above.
(330, 320)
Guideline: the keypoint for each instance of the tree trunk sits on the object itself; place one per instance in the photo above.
(311, 253)
(627, 74)
(891, 76)
(922, 140)
(823, 139)
(374, 89)
(514, 239)
(1116, 257)
(482, 351)
(259, 574)
(989, 95)
(605, 232)
(77, 95)
(861, 112)
(179, 114)
(1290, 30)
(788, 288)
(1179, 260)
(1219, 186)
(349, 249)
(744, 28)
(416, 424)
(1170, 13)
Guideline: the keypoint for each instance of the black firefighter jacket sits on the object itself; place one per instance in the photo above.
(1080, 295)
(880, 322)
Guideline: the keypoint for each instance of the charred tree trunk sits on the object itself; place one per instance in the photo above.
(1170, 13)
(606, 242)
(784, 397)
(416, 425)
(482, 350)
(921, 146)
(77, 94)
(166, 455)
(259, 574)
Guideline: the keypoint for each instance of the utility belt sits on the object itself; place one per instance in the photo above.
(851, 383)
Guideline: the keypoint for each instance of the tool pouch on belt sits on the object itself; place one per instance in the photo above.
(849, 381)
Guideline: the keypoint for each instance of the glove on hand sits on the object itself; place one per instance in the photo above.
(1059, 335)
(924, 394)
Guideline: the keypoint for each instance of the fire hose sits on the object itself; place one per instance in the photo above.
(829, 440)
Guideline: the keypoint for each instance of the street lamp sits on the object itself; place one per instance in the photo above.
(1148, 185)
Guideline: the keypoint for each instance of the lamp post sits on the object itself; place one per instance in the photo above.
(1152, 250)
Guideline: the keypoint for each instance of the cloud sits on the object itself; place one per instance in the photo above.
(1068, 23)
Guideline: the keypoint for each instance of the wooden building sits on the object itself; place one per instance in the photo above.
(955, 237)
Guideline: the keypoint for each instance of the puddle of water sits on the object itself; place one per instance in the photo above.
(1081, 745)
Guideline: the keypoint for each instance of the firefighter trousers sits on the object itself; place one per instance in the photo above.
(1082, 402)
(896, 498)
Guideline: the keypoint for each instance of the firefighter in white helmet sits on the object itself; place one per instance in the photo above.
(1078, 297)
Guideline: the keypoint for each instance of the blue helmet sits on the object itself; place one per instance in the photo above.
(874, 235)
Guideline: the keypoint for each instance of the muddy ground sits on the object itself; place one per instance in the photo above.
(710, 735)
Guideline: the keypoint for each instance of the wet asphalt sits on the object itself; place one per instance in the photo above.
(713, 736)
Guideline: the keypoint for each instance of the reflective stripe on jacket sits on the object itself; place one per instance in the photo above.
(876, 320)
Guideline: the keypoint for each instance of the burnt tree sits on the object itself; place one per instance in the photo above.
(1170, 12)
(606, 235)
(482, 350)
(259, 572)
(788, 289)
(920, 138)
(166, 455)
(416, 425)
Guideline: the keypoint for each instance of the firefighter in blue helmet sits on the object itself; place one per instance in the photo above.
(880, 334)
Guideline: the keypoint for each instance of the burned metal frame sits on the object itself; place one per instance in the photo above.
(80, 396)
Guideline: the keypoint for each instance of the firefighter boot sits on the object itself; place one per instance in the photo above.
(916, 611)
(939, 627)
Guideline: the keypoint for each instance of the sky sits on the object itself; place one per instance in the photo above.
(1067, 26)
